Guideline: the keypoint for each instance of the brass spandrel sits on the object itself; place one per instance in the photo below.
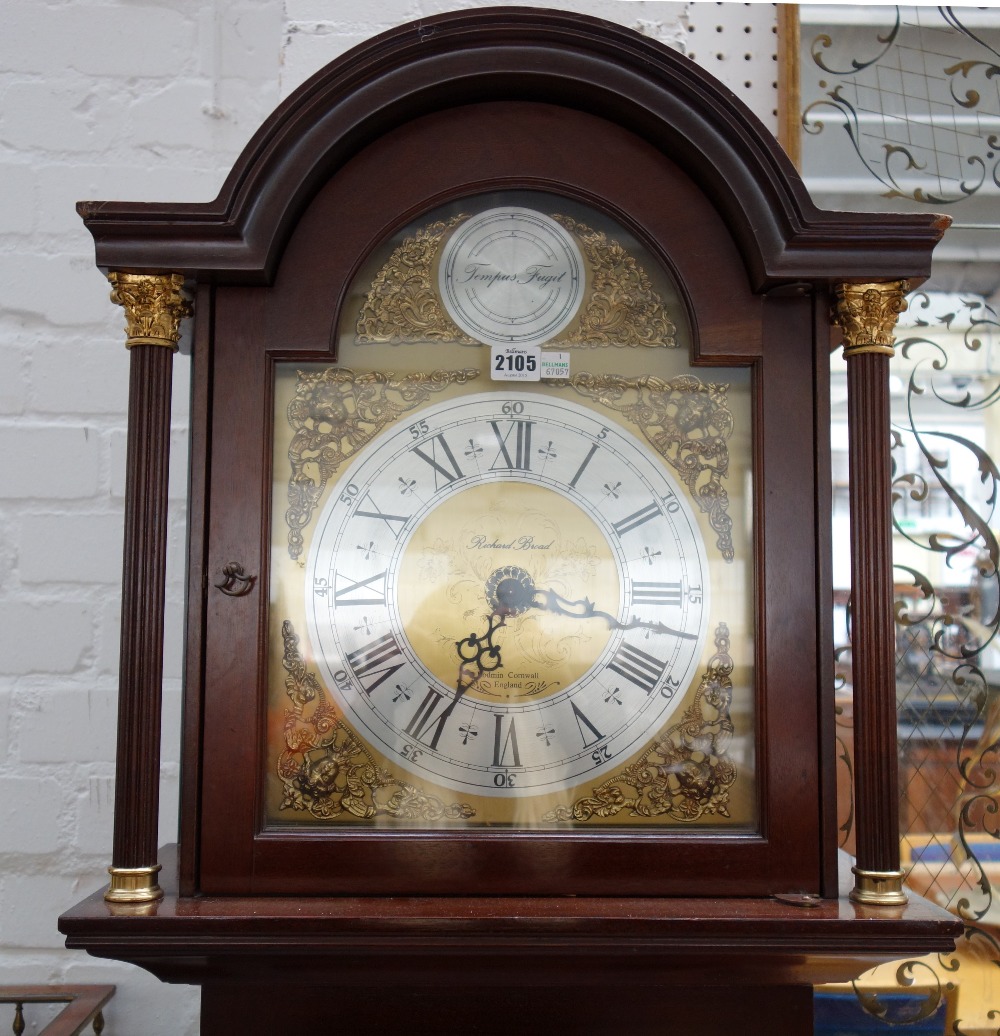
(622, 309)
(337, 411)
(688, 422)
(327, 771)
(685, 773)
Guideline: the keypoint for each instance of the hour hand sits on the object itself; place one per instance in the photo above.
(477, 655)
(512, 591)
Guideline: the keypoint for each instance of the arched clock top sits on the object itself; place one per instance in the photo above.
(513, 54)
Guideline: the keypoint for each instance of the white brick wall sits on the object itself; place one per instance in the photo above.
(99, 99)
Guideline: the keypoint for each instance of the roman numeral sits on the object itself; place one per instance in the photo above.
(365, 662)
(342, 595)
(637, 518)
(583, 467)
(389, 519)
(637, 667)
(445, 466)
(424, 717)
(581, 722)
(504, 743)
(521, 431)
(656, 593)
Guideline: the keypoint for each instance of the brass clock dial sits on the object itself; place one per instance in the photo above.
(505, 604)
(507, 594)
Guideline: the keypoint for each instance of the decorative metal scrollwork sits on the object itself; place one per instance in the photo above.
(335, 412)
(929, 53)
(622, 308)
(685, 773)
(688, 422)
(327, 772)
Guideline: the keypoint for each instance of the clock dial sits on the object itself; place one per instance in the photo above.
(511, 276)
(514, 604)
(535, 517)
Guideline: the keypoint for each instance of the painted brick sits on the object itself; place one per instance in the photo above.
(13, 380)
(250, 41)
(108, 644)
(28, 810)
(140, 39)
(32, 904)
(28, 284)
(74, 725)
(78, 548)
(73, 375)
(63, 115)
(393, 11)
(4, 725)
(17, 213)
(44, 638)
(48, 463)
(94, 814)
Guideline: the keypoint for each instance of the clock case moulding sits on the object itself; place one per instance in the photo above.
(452, 106)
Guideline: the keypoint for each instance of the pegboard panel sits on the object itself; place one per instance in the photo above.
(738, 44)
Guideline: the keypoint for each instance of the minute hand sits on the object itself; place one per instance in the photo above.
(550, 601)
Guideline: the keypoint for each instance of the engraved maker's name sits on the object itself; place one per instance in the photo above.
(519, 543)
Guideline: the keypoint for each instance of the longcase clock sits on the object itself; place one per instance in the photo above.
(509, 550)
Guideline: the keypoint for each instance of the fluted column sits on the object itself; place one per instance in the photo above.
(154, 308)
(867, 315)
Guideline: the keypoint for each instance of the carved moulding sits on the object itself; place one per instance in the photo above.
(622, 309)
(153, 304)
(326, 771)
(684, 773)
(337, 411)
(688, 422)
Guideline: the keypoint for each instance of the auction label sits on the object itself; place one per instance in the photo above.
(515, 363)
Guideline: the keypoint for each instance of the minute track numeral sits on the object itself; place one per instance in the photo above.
(441, 459)
(638, 667)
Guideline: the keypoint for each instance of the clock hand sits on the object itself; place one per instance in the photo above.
(512, 591)
(477, 655)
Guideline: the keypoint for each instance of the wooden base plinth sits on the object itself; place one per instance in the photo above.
(497, 965)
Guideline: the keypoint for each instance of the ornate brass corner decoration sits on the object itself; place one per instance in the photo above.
(867, 315)
(688, 422)
(334, 413)
(684, 773)
(326, 771)
(622, 309)
(154, 306)
(403, 304)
